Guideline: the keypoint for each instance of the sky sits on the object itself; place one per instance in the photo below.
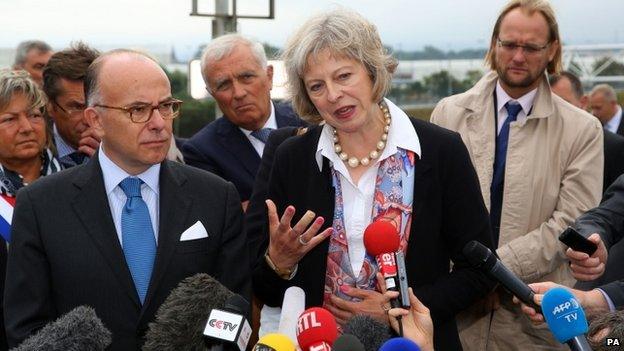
(403, 24)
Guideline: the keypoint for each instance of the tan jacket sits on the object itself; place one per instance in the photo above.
(553, 174)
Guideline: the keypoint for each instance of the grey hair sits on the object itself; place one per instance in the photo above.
(344, 33)
(606, 90)
(224, 45)
(25, 47)
(14, 82)
(91, 78)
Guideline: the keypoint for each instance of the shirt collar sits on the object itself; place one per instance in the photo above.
(62, 147)
(401, 135)
(270, 123)
(614, 122)
(526, 100)
(113, 174)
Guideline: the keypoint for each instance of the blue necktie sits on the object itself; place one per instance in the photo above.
(498, 177)
(137, 236)
(262, 134)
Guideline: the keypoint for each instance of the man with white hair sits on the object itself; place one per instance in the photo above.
(603, 104)
(32, 56)
(237, 75)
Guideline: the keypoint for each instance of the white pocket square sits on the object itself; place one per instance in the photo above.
(196, 231)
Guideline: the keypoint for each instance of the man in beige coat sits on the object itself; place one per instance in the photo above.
(539, 162)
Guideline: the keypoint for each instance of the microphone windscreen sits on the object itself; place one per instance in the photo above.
(399, 344)
(348, 342)
(368, 330)
(180, 320)
(292, 307)
(564, 315)
(276, 342)
(316, 325)
(79, 329)
(381, 237)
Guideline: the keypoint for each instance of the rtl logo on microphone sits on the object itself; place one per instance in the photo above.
(307, 321)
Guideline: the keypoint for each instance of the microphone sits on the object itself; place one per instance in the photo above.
(565, 318)
(181, 319)
(78, 329)
(348, 342)
(399, 344)
(382, 240)
(292, 307)
(368, 330)
(275, 342)
(481, 257)
(228, 327)
(316, 330)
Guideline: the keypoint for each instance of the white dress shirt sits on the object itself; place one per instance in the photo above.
(614, 122)
(255, 142)
(358, 199)
(113, 175)
(526, 101)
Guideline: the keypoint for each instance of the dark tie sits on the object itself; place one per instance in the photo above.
(498, 177)
(73, 159)
(262, 134)
(137, 236)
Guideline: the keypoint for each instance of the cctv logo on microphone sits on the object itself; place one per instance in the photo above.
(567, 310)
(223, 325)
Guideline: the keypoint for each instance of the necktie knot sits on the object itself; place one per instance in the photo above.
(131, 187)
(513, 110)
(262, 134)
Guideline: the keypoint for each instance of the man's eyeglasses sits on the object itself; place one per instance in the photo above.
(141, 113)
(529, 49)
(71, 112)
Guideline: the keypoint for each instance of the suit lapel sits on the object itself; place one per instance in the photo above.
(174, 210)
(91, 206)
(232, 138)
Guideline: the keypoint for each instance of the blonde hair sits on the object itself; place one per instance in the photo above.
(529, 7)
(344, 33)
(14, 82)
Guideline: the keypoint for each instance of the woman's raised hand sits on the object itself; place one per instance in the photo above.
(288, 244)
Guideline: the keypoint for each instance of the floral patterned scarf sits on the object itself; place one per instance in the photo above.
(393, 202)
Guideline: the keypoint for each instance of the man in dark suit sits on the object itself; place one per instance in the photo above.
(569, 88)
(63, 78)
(603, 104)
(120, 232)
(603, 225)
(237, 75)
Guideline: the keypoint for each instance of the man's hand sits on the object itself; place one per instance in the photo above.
(417, 323)
(585, 267)
(89, 141)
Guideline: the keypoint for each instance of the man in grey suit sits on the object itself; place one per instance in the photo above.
(121, 231)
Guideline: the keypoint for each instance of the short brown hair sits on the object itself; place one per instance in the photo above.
(530, 7)
(70, 64)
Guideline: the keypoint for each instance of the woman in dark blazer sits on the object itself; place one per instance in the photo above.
(327, 185)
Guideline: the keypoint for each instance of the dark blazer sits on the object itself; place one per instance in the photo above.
(65, 251)
(223, 149)
(608, 220)
(620, 130)
(448, 211)
(613, 158)
(256, 214)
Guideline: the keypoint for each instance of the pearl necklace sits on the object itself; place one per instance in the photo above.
(354, 162)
